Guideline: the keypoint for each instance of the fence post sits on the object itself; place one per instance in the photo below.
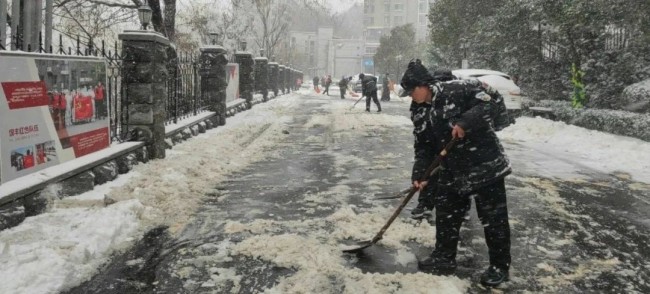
(273, 78)
(282, 69)
(246, 76)
(212, 69)
(262, 76)
(144, 81)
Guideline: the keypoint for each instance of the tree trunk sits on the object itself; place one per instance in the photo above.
(3, 22)
(157, 18)
(170, 19)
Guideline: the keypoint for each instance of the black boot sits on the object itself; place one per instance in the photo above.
(494, 276)
(421, 211)
(437, 265)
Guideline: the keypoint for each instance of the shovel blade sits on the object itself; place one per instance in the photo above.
(359, 247)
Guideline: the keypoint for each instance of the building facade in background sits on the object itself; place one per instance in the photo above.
(380, 16)
(321, 53)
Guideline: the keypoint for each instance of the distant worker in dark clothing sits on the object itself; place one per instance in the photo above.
(369, 89)
(343, 86)
(315, 81)
(470, 112)
(327, 81)
(385, 91)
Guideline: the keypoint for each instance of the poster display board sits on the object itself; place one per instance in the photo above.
(53, 109)
(232, 76)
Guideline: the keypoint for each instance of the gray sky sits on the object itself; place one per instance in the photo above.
(337, 5)
(341, 5)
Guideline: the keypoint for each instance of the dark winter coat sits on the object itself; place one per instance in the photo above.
(425, 146)
(315, 80)
(343, 83)
(478, 159)
(369, 85)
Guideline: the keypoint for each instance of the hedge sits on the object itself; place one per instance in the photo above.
(617, 122)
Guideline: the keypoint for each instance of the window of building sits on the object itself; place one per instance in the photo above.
(423, 19)
(398, 6)
(423, 5)
(398, 19)
(373, 35)
(387, 20)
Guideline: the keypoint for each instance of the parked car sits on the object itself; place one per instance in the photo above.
(356, 83)
(502, 82)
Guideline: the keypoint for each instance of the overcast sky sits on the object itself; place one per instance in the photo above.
(341, 5)
(337, 5)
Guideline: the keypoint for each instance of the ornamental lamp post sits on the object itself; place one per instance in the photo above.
(463, 46)
(242, 45)
(214, 38)
(144, 13)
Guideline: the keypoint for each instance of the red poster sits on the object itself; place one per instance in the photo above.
(83, 108)
(89, 142)
(25, 94)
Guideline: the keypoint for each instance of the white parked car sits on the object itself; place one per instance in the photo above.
(500, 81)
(355, 83)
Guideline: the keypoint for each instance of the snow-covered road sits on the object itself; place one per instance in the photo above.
(264, 203)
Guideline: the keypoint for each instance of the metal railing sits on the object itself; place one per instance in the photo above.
(184, 97)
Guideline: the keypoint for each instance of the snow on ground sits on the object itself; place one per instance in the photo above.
(597, 150)
(64, 246)
(322, 268)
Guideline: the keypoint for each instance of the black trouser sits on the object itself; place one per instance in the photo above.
(492, 210)
(101, 109)
(342, 91)
(327, 90)
(374, 98)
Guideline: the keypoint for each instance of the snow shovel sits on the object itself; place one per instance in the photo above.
(355, 103)
(433, 168)
(397, 195)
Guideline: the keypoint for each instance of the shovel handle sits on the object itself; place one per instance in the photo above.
(433, 168)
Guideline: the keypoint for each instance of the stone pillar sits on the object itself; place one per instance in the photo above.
(273, 78)
(291, 80)
(213, 61)
(281, 72)
(302, 78)
(246, 76)
(287, 79)
(144, 81)
(262, 76)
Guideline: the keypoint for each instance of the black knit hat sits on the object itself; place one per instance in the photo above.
(415, 75)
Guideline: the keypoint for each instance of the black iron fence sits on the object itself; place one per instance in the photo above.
(117, 112)
(184, 97)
